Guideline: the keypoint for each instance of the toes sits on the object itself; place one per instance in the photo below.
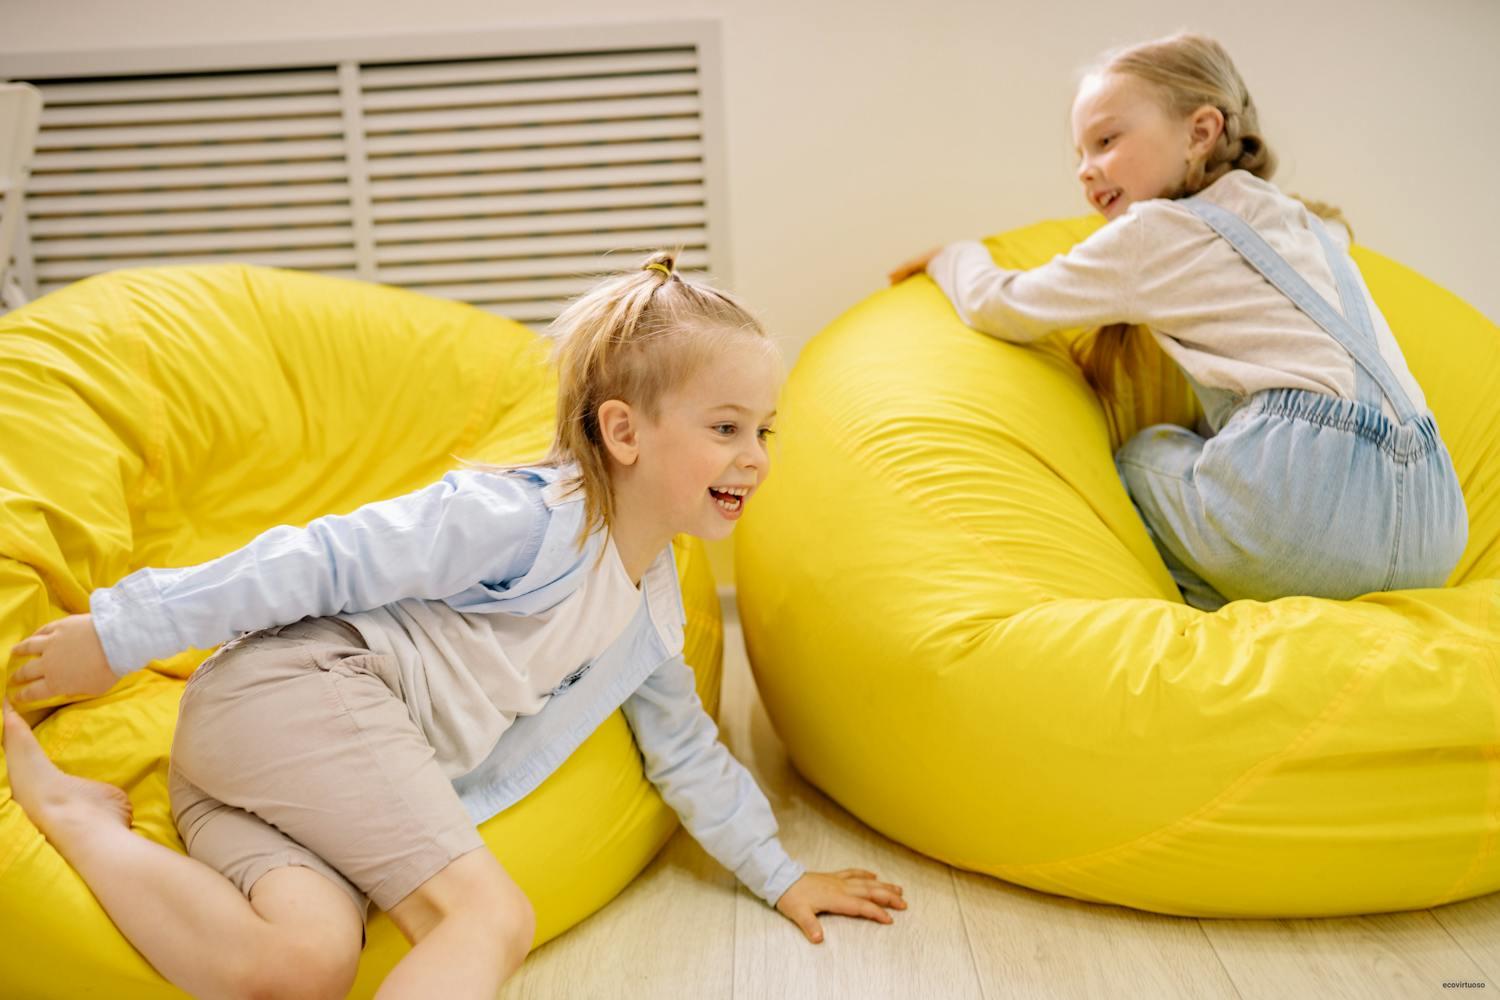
(20, 742)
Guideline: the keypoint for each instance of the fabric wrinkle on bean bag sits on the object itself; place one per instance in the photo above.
(163, 416)
(964, 635)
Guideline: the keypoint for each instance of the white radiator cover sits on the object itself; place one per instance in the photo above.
(508, 169)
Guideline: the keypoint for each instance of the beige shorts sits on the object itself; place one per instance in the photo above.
(290, 751)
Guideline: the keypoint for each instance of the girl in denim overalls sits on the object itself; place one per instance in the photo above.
(422, 663)
(1323, 472)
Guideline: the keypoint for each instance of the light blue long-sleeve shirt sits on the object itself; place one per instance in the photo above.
(479, 542)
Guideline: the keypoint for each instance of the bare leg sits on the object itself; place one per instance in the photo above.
(471, 927)
(300, 935)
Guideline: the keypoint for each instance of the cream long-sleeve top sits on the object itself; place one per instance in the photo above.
(1160, 266)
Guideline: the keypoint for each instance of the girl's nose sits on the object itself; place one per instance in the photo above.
(756, 457)
(1086, 170)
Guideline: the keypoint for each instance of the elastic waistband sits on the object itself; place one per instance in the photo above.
(1411, 440)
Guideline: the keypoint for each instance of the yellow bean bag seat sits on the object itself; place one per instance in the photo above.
(964, 635)
(162, 417)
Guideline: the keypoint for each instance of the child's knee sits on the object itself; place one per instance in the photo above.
(519, 925)
(303, 970)
(474, 891)
(508, 914)
(496, 912)
(1161, 450)
(326, 973)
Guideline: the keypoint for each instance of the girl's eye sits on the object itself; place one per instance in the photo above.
(725, 429)
(766, 432)
(1106, 141)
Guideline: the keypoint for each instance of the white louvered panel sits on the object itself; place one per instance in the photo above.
(512, 181)
(217, 108)
(579, 64)
(626, 241)
(56, 182)
(540, 226)
(592, 134)
(197, 243)
(267, 130)
(527, 173)
(594, 90)
(44, 287)
(338, 259)
(622, 109)
(573, 139)
(495, 182)
(147, 202)
(265, 219)
(518, 268)
(469, 161)
(191, 169)
(60, 95)
(529, 202)
(171, 156)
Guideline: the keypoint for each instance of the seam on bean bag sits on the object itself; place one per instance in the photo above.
(1244, 783)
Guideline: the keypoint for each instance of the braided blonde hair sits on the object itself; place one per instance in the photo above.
(634, 337)
(1187, 71)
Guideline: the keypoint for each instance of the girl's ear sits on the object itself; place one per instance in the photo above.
(617, 428)
(1204, 128)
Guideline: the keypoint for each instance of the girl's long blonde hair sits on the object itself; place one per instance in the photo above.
(634, 337)
(1187, 71)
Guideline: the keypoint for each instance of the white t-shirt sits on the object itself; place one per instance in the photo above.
(465, 677)
(1161, 266)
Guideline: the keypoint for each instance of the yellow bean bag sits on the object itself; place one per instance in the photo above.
(964, 635)
(163, 417)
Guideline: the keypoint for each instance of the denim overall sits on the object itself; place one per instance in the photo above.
(1300, 492)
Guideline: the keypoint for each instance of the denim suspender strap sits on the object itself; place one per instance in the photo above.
(1351, 297)
(1360, 343)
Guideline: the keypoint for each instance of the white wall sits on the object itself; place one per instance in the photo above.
(860, 133)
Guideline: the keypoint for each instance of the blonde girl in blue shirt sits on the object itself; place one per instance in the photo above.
(406, 671)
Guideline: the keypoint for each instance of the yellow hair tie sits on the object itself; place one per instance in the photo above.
(657, 265)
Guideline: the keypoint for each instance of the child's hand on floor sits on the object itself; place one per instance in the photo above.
(853, 892)
(916, 265)
(69, 662)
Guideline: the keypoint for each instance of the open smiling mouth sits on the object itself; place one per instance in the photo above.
(730, 499)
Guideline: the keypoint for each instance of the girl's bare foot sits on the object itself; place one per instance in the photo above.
(56, 802)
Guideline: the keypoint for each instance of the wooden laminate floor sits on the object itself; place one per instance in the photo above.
(684, 928)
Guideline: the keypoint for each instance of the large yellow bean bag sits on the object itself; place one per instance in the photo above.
(964, 635)
(163, 417)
